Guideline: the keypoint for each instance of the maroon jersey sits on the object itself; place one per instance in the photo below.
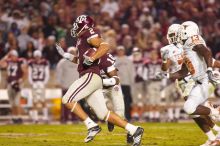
(83, 45)
(139, 70)
(151, 68)
(38, 69)
(14, 70)
(106, 62)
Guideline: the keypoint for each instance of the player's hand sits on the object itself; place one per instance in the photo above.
(161, 75)
(88, 60)
(211, 76)
(59, 49)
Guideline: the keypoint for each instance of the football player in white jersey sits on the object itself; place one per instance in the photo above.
(204, 122)
(172, 56)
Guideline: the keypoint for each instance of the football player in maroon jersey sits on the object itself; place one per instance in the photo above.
(38, 75)
(16, 68)
(89, 85)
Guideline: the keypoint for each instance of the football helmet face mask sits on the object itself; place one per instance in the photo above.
(81, 23)
(188, 29)
(172, 33)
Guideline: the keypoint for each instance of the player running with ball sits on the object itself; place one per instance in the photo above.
(89, 85)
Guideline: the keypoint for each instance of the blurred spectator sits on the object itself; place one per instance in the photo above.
(23, 40)
(16, 72)
(49, 28)
(38, 75)
(138, 96)
(126, 74)
(28, 54)
(50, 52)
(152, 87)
(66, 73)
(111, 7)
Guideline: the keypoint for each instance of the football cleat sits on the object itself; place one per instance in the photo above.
(137, 137)
(110, 127)
(130, 139)
(92, 132)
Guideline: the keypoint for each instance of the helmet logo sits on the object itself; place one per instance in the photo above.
(81, 18)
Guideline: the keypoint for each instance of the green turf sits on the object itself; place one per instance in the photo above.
(156, 134)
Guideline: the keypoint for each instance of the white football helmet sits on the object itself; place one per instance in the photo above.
(188, 29)
(172, 33)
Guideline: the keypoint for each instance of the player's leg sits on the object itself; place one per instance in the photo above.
(97, 103)
(118, 101)
(80, 89)
(44, 104)
(137, 104)
(14, 100)
(194, 103)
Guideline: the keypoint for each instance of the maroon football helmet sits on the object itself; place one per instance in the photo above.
(81, 23)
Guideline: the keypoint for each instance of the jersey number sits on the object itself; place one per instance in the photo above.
(91, 31)
(111, 59)
(38, 73)
(12, 70)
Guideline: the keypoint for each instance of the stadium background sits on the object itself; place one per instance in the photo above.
(27, 25)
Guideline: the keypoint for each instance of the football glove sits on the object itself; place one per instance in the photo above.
(211, 77)
(65, 55)
(161, 75)
(88, 61)
(59, 49)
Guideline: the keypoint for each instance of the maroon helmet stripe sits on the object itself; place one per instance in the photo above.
(82, 86)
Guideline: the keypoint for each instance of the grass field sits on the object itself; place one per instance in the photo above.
(156, 134)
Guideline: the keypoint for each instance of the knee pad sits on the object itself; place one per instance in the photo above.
(189, 106)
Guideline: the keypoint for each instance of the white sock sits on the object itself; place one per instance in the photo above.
(177, 113)
(170, 113)
(89, 123)
(216, 128)
(131, 128)
(45, 113)
(210, 135)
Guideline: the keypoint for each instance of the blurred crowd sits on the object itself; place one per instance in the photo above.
(27, 25)
(134, 28)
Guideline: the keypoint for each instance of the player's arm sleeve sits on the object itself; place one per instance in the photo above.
(205, 52)
(30, 75)
(114, 80)
(179, 74)
(100, 44)
(47, 74)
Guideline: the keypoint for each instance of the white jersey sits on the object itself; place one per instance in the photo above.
(194, 62)
(175, 55)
